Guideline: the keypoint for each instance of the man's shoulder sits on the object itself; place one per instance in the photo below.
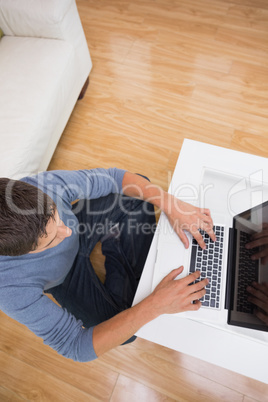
(70, 185)
(55, 183)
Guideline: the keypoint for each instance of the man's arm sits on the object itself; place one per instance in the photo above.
(182, 216)
(170, 296)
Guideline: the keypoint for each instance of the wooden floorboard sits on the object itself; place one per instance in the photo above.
(163, 70)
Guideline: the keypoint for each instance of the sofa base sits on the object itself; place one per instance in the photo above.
(84, 89)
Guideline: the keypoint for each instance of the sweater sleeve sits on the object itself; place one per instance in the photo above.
(55, 325)
(68, 186)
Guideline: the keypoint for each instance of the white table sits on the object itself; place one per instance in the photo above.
(239, 348)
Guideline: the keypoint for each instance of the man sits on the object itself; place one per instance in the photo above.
(50, 223)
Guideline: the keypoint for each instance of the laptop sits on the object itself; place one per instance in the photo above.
(239, 208)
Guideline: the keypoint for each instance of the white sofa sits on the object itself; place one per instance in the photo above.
(44, 64)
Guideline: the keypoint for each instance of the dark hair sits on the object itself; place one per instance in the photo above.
(24, 213)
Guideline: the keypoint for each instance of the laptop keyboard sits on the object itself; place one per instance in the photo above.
(209, 262)
(247, 273)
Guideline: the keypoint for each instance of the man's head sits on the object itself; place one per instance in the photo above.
(25, 214)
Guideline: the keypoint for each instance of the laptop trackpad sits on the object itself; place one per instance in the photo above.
(170, 256)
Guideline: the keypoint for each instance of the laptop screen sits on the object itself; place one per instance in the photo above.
(248, 269)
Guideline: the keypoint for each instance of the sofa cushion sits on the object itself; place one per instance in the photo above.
(37, 76)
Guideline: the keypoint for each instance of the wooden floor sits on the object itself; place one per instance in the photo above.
(164, 70)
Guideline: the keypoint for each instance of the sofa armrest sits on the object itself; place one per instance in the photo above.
(36, 18)
(51, 19)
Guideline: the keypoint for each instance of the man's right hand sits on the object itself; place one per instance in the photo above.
(176, 296)
(170, 296)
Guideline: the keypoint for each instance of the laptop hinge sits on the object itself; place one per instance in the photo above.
(230, 268)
